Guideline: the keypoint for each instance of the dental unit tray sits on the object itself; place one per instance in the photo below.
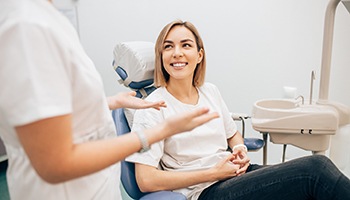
(289, 117)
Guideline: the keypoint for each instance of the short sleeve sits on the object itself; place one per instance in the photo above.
(144, 119)
(34, 79)
(229, 124)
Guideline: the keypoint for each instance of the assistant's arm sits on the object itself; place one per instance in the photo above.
(50, 148)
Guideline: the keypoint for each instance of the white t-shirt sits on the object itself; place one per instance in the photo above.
(45, 72)
(201, 148)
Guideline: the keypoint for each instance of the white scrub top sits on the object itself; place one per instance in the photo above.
(44, 72)
(201, 148)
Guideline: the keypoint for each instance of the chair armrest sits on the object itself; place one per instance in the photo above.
(239, 116)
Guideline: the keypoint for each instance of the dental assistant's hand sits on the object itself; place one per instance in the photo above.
(179, 123)
(189, 120)
(241, 158)
(128, 100)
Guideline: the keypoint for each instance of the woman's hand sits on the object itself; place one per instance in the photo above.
(128, 100)
(225, 168)
(241, 158)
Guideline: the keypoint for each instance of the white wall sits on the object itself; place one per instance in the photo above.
(254, 48)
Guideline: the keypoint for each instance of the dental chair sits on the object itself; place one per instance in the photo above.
(128, 169)
(134, 64)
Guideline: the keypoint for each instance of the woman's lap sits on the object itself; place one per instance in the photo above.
(311, 177)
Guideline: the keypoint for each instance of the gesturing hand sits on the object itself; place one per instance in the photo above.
(128, 100)
(189, 120)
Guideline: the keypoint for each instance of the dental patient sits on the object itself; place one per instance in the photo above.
(196, 163)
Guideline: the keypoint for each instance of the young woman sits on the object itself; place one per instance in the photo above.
(55, 120)
(196, 162)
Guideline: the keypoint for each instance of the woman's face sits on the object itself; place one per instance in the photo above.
(180, 54)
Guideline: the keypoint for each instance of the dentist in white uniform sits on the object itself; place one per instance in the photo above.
(55, 120)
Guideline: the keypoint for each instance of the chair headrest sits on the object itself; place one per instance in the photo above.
(134, 64)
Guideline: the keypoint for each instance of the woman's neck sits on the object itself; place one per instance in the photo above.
(183, 91)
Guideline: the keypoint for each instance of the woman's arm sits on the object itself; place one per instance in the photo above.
(235, 140)
(50, 148)
(239, 151)
(150, 179)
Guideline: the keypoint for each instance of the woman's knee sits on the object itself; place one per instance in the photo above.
(312, 163)
(320, 160)
(318, 163)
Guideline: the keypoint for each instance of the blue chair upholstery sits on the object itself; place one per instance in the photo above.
(128, 169)
(254, 144)
(142, 88)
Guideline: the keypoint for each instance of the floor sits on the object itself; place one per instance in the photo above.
(4, 194)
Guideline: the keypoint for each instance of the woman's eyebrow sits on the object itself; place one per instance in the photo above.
(182, 41)
(168, 41)
(186, 40)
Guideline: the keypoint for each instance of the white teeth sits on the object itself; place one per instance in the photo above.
(179, 64)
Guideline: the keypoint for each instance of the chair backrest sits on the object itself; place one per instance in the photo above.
(127, 168)
(134, 64)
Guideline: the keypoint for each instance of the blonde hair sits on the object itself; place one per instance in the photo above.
(161, 76)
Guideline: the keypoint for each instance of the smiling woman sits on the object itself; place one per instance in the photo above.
(173, 50)
(180, 59)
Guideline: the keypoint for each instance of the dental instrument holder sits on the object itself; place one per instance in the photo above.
(302, 99)
(312, 85)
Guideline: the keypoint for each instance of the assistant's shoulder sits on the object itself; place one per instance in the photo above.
(28, 16)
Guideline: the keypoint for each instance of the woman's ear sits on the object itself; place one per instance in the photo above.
(200, 56)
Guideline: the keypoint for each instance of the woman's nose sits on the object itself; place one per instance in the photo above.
(177, 52)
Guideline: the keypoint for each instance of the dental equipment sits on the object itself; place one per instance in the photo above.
(312, 85)
(310, 127)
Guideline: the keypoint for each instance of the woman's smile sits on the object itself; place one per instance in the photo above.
(179, 65)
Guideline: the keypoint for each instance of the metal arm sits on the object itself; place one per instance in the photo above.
(327, 49)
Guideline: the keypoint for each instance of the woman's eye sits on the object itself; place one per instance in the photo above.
(186, 45)
(167, 46)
